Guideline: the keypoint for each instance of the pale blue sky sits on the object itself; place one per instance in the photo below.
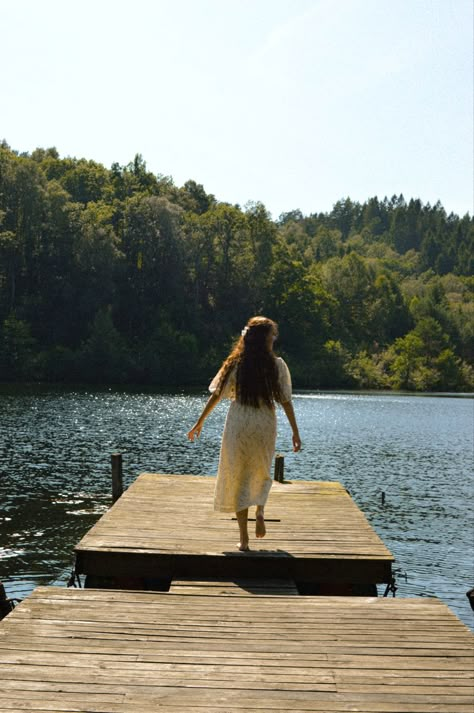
(295, 103)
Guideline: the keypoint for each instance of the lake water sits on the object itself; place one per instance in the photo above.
(55, 482)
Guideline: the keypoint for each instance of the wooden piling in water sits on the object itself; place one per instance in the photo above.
(117, 476)
(6, 604)
(279, 474)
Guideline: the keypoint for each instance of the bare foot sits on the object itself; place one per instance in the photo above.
(243, 546)
(260, 530)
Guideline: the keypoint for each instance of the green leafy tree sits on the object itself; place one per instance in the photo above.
(387, 311)
(153, 272)
(350, 281)
(169, 355)
(193, 198)
(103, 356)
(344, 215)
(424, 359)
(367, 370)
(87, 181)
(406, 359)
(334, 366)
(17, 350)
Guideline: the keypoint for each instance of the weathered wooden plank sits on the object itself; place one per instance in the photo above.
(145, 706)
(261, 587)
(134, 652)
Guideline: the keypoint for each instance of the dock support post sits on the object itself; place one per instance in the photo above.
(279, 468)
(6, 604)
(117, 480)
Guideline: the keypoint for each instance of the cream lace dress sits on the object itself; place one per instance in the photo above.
(248, 445)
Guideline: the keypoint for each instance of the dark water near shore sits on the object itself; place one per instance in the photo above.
(55, 446)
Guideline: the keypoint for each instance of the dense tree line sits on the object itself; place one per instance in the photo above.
(118, 275)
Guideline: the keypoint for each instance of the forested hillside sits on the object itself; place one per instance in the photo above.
(117, 275)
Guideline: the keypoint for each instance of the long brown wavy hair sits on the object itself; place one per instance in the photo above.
(257, 371)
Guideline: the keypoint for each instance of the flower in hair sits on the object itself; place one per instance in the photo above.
(244, 331)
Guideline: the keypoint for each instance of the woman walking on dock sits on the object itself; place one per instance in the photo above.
(253, 378)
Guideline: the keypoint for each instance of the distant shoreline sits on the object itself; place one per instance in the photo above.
(173, 389)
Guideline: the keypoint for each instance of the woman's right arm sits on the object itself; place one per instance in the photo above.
(196, 429)
(290, 414)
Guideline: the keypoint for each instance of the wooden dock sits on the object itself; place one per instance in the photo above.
(164, 527)
(109, 651)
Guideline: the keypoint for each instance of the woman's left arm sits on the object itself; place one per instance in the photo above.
(196, 429)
